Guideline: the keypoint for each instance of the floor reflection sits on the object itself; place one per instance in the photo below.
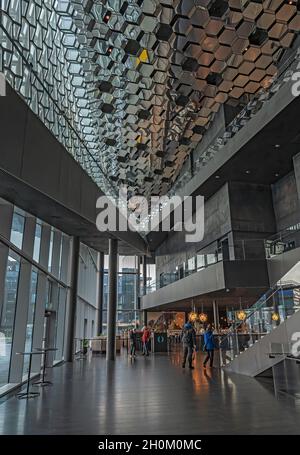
(152, 395)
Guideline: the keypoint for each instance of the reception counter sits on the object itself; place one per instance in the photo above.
(98, 344)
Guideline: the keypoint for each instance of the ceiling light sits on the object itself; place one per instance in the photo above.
(277, 146)
(106, 17)
(217, 176)
(248, 172)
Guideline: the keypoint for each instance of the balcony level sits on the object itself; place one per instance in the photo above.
(223, 281)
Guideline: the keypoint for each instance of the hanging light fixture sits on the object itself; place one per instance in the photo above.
(203, 317)
(241, 315)
(193, 316)
(275, 317)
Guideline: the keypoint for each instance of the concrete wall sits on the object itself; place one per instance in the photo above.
(286, 202)
(243, 211)
(174, 250)
(207, 280)
(251, 208)
(216, 277)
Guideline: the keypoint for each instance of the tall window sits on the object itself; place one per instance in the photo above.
(37, 241)
(60, 322)
(128, 276)
(7, 317)
(17, 228)
(50, 250)
(60, 256)
(30, 318)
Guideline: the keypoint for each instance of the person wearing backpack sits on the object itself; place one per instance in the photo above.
(188, 338)
(209, 346)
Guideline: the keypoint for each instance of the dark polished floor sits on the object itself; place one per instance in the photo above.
(153, 395)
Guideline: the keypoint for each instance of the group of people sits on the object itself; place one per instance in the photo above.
(224, 341)
(189, 345)
(188, 338)
(145, 338)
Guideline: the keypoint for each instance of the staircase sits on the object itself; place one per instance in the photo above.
(264, 338)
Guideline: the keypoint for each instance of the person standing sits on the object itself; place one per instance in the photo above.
(209, 346)
(132, 337)
(145, 340)
(188, 338)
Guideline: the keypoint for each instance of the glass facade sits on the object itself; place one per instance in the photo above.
(50, 250)
(8, 314)
(34, 290)
(37, 241)
(30, 318)
(17, 228)
(129, 280)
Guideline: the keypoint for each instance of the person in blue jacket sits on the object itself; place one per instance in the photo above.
(209, 346)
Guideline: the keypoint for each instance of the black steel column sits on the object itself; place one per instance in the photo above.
(145, 317)
(144, 274)
(144, 278)
(73, 297)
(100, 293)
(112, 299)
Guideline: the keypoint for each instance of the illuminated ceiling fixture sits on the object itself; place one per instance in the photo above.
(144, 56)
(107, 17)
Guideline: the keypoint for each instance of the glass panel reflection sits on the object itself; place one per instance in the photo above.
(30, 319)
(17, 228)
(8, 314)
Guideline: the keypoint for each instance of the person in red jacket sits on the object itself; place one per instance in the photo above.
(145, 340)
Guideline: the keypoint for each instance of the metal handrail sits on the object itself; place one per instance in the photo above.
(232, 330)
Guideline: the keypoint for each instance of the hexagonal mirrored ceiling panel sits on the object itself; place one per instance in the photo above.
(149, 76)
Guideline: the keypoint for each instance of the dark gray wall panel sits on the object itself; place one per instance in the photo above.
(246, 274)
(70, 183)
(174, 250)
(296, 162)
(12, 127)
(40, 176)
(89, 194)
(286, 202)
(41, 159)
(251, 207)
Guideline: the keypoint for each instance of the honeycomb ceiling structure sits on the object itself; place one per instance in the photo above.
(160, 70)
(131, 87)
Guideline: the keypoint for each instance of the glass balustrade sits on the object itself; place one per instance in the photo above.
(271, 310)
(239, 250)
